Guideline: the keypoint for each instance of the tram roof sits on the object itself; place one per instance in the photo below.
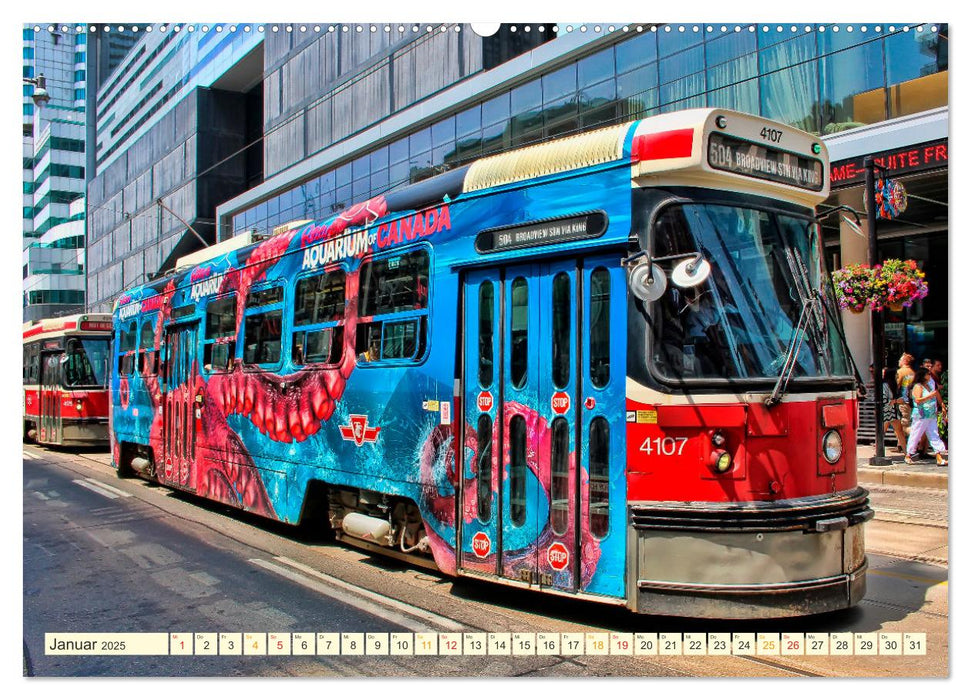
(62, 324)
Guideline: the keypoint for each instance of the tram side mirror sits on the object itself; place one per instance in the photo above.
(691, 272)
(647, 281)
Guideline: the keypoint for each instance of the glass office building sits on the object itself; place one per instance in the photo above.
(349, 112)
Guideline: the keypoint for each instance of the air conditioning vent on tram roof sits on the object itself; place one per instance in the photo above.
(561, 155)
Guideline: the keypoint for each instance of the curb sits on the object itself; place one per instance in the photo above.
(895, 477)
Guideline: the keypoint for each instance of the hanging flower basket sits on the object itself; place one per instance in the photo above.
(853, 285)
(898, 284)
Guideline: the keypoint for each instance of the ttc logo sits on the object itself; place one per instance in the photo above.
(358, 431)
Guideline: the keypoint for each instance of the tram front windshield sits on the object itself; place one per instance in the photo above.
(739, 323)
(85, 362)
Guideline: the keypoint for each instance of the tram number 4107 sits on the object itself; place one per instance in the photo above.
(664, 447)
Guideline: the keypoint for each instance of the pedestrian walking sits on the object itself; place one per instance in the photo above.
(891, 410)
(923, 420)
(905, 378)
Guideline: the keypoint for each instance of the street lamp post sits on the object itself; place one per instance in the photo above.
(41, 97)
(876, 318)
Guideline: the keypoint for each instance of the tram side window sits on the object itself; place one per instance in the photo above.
(318, 319)
(599, 476)
(127, 341)
(31, 363)
(219, 345)
(263, 327)
(600, 328)
(147, 357)
(394, 299)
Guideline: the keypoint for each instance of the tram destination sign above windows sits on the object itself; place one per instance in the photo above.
(543, 232)
(931, 155)
(765, 163)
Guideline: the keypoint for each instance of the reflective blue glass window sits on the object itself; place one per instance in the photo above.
(398, 173)
(637, 51)
(732, 72)
(685, 88)
(636, 82)
(595, 68)
(772, 36)
(848, 35)
(526, 98)
(787, 53)
(468, 122)
(682, 64)
(379, 181)
(790, 96)
(560, 83)
(851, 85)
(379, 160)
(343, 175)
(398, 151)
(670, 40)
(729, 47)
(360, 167)
(420, 141)
(915, 54)
(743, 97)
(443, 132)
(495, 110)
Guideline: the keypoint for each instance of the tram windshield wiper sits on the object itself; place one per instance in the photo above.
(795, 343)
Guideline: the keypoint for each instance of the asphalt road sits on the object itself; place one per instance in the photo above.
(108, 555)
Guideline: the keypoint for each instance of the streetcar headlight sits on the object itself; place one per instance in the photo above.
(721, 461)
(832, 447)
(718, 438)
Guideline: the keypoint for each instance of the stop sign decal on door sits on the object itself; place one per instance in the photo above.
(481, 545)
(560, 402)
(558, 556)
(484, 401)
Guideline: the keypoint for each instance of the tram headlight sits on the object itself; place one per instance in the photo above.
(720, 461)
(832, 446)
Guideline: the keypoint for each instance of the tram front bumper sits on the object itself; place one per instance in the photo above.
(84, 432)
(742, 561)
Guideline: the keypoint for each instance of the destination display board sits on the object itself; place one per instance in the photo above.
(759, 161)
(545, 232)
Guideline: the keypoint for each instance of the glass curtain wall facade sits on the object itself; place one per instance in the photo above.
(53, 170)
(821, 78)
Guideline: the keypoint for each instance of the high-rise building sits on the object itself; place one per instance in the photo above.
(54, 163)
(334, 114)
(53, 150)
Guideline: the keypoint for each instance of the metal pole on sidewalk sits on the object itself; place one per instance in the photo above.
(876, 319)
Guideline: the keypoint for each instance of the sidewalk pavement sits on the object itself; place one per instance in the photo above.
(923, 473)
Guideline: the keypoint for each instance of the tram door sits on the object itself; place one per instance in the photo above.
(178, 406)
(50, 397)
(536, 385)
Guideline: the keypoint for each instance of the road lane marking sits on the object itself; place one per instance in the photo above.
(30, 455)
(41, 496)
(341, 594)
(97, 489)
(123, 494)
(906, 577)
(412, 610)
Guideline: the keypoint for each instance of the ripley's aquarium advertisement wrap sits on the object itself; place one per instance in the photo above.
(485, 350)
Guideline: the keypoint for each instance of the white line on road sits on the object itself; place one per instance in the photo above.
(30, 455)
(41, 496)
(96, 489)
(412, 610)
(123, 494)
(344, 593)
